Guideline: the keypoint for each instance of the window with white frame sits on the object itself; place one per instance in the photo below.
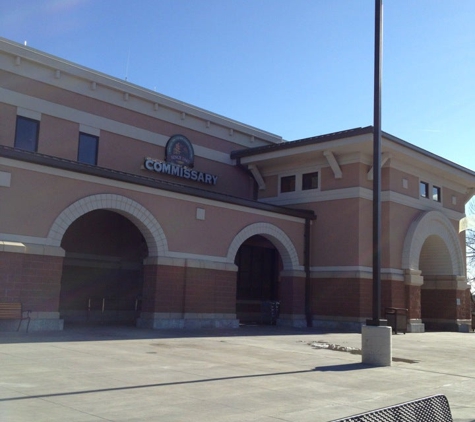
(287, 184)
(304, 180)
(87, 148)
(436, 194)
(310, 180)
(430, 191)
(26, 133)
(424, 189)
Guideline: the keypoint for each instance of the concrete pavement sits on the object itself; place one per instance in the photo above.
(259, 374)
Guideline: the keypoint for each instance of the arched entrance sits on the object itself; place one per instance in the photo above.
(434, 264)
(268, 271)
(257, 293)
(439, 298)
(102, 276)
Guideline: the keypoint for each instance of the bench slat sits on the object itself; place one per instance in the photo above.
(10, 310)
(14, 310)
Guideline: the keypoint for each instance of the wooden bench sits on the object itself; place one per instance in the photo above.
(428, 409)
(14, 311)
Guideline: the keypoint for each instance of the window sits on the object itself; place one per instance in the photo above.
(287, 184)
(26, 134)
(87, 151)
(310, 181)
(424, 189)
(436, 193)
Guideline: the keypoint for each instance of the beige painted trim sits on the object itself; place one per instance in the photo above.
(5, 179)
(257, 176)
(425, 225)
(384, 158)
(30, 249)
(192, 261)
(30, 114)
(295, 198)
(445, 283)
(333, 164)
(85, 119)
(277, 236)
(292, 273)
(355, 272)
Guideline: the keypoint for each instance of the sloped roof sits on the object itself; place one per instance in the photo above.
(320, 139)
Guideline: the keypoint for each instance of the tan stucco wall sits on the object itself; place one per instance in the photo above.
(34, 200)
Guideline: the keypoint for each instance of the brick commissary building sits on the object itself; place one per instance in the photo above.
(120, 204)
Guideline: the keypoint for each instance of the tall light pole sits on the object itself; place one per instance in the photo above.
(378, 27)
(376, 344)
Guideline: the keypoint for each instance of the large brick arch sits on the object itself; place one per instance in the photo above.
(136, 213)
(429, 224)
(279, 239)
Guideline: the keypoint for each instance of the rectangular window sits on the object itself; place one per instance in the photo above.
(26, 133)
(436, 196)
(424, 189)
(310, 181)
(287, 184)
(88, 146)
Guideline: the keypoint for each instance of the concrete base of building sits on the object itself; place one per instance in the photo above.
(178, 321)
(458, 325)
(376, 345)
(415, 326)
(337, 325)
(40, 321)
(98, 316)
(295, 321)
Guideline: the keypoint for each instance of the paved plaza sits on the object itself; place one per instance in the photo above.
(258, 374)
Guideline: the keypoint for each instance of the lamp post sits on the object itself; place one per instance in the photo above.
(377, 321)
(376, 345)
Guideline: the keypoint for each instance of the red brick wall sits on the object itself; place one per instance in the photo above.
(210, 291)
(464, 310)
(292, 295)
(34, 280)
(203, 291)
(342, 297)
(392, 294)
(163, 288)
(413, 301)
(442, 304)
(353, 297)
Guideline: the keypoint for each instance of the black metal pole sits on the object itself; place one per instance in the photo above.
(377, 167)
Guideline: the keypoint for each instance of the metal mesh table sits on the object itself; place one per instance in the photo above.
(428, 409)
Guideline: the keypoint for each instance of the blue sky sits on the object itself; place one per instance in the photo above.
(296, 68)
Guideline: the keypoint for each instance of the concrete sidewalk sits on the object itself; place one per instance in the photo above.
(249, 374)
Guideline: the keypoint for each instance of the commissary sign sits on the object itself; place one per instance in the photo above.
(179, 162)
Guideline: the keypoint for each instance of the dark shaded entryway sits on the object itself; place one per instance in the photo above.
(258, 264)
(102, 276)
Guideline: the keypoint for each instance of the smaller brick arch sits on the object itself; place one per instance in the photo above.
(429, 225)
(132, 210)
(280, 240)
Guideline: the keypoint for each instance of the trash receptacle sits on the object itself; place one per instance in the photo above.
(397, 319)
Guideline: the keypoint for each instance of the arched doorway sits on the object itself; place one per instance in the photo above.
(102, 277)
(257, 293)
(439, 283)
(436, 288)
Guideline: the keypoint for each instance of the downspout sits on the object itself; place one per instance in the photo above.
(308, 296)
(244, 168)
